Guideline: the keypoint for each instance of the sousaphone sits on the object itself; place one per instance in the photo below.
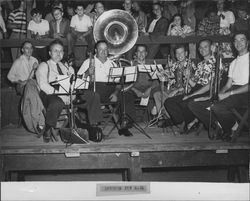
(118, 28)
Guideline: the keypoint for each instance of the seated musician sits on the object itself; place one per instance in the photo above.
(232, 95)
(98, 69)
(177, 75)
(177, 106)
(47, 73)
(23, 67)
(142, 88)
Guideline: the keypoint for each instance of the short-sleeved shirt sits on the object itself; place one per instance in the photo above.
(226, 21)
(208, 27)
(239, 70)
(18, 17)
(101, 69)
(204, 71)
(21, 69)
(178, 30)
(40, 28)
(81, 25)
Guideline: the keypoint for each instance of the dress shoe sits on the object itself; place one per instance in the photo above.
(125, 132)
(47, 135)
(194, 127)
(165, 123)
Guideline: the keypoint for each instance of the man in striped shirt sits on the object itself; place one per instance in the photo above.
(17, 24)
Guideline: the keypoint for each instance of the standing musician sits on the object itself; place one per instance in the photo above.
(46, 73)
(98, 69)
(177, 106)
(232, 95)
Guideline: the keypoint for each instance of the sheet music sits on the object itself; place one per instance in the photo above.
(82, 83)
(64, 82)
(115, 74)
(144, 68)
(130, 74)
(144, 101)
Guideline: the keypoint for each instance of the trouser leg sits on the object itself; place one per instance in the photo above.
(174, 109)
(54, 106)
(93, 106)
(129, 103)
(223, 110)
(159, 99)
(199, 109)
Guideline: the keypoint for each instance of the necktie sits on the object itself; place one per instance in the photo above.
(59, 69)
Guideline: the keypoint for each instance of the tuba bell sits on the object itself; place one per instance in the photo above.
(118, 28)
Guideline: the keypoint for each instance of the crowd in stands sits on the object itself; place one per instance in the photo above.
(75, 20)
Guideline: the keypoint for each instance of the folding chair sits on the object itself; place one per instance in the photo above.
(243, 121)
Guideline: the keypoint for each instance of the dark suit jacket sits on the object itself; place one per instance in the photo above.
(160, 28)
(64, 27)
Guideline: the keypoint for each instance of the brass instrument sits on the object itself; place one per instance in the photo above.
(118, 28)
(92, 69)
(215, 78)
(189, 65)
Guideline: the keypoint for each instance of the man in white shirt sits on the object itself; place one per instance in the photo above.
(98, 69)
(47, 73)
(23, 67)
(233, 95)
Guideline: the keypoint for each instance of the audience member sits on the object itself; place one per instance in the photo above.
(242, 22)
(156, 27)
(210, 25)
(140, 17)
(127, 5)
(70, 11)
(99, 9)
(81, 30)
(38, 29)
(56, 3)
(17, 24)
(23, 68)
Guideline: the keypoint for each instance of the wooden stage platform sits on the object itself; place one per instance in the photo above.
(22, 151)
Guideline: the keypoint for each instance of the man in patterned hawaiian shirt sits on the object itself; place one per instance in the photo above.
(177, 106)
(176, 74)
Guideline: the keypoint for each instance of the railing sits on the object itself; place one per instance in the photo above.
(140, 40)
(9, 43)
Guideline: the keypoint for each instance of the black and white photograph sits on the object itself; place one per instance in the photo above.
(124, 99)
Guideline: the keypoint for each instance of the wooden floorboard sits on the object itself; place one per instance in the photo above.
(18, 140)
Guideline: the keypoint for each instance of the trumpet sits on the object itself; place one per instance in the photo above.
(91, 70)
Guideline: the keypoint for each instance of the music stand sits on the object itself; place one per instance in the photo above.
(157, 72)
(122, 75)
(72, 134)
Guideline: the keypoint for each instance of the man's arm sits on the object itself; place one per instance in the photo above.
(240, 90)
(203, 90)
(42, 79)
(227, 86)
